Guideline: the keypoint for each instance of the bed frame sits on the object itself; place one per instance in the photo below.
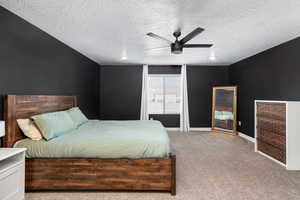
(54, 174)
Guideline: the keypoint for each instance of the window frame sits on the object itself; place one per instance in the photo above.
(164, 90)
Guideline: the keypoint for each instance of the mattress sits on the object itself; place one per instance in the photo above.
(104, 139)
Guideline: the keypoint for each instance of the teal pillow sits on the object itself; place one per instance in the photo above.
(54, 124)
(77, 116)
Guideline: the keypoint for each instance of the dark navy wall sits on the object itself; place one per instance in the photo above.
(120, 92)
(33, 62)
(271, 75)
(200, 80)
(121, 86)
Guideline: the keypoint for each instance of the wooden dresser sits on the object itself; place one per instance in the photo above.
(277, 132)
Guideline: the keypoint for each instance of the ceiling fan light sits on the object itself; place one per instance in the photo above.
(212, 57)
(176, 51)
(176, 48)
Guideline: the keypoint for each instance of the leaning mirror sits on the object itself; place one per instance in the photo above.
(224, 109)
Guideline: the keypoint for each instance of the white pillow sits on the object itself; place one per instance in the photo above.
(29, 129)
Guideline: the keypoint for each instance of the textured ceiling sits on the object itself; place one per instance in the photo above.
(106, 30)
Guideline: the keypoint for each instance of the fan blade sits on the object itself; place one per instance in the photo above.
(191, 35)
(153, 35)
(158, 48)
(197, 45)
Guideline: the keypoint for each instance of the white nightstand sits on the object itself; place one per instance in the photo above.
(12, 173)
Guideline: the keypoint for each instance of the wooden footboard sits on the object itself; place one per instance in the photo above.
(155, 174)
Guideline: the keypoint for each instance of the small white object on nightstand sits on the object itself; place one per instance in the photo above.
(12, 173)
(2, 128)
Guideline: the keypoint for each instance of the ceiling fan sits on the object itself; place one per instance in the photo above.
(178, 45)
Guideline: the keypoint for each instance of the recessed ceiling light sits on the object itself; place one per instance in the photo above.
(124, 58)
(212, 57)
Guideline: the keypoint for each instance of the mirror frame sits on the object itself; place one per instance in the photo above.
(213, 128)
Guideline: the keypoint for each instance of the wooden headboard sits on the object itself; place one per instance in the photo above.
(26, 106)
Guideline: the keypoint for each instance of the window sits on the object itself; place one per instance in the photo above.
(164, 94)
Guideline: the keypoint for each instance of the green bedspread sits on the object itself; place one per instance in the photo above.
(104, 139)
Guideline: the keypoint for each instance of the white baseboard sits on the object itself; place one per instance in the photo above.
(209, 129)
(271, 158)
(191, 129)
(200, 129)
(251, 139)
(172, 129)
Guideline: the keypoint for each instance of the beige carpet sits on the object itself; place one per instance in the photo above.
(210, 166)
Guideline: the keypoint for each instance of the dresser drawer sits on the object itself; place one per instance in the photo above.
(274, 126)
(273, 111)
(271, 150)
(272, 138)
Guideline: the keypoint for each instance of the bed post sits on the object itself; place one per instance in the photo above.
(173, 173)
(10, 122)
(75, 101)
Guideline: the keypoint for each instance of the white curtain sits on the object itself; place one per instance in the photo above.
(144, 103)
(184, 107)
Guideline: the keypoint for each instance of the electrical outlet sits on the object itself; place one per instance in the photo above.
(240, 123)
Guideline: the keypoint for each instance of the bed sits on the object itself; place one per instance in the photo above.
(153, 168)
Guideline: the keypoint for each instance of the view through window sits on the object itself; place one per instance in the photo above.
(164, 94)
